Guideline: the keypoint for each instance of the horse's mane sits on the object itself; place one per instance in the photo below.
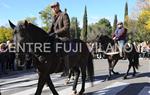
(105, 39)
(35, 28)
(37, 33)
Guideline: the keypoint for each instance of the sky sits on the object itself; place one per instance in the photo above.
(16, 10)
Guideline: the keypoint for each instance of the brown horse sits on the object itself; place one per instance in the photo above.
(48, 62)
(113, 57)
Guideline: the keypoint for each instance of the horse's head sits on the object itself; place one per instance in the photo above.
(105, 40)
(24, 35)
(20, 36)
(20, 32)
(28, 32)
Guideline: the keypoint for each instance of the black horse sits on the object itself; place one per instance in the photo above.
(109, 46)
(48, 62)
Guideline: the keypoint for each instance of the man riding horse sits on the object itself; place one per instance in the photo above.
(121, 37)
(47, 62)
(60, 28)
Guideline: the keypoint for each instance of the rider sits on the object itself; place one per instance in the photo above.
(121, 37)
(60, 27)
(61, 23)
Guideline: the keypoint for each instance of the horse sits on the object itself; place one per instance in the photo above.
(71, 74)
(48, 62)
(113, 55)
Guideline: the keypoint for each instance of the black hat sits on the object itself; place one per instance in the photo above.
(119, 23)
(54, 4)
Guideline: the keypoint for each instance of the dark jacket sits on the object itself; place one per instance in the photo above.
(61, 25)
(121, 34)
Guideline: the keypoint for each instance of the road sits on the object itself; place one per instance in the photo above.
(25, 83)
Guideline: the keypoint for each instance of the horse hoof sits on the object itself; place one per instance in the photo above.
(66, 82)
(80, 93)
(125, 77)
(133, 75)
(116, 73)
(74, 93)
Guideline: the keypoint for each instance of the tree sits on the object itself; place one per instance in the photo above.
(74, 28)
(139, 25)
(102, 27)
(126, 16)
(5, 34)
(85, 26)
(77, 29)
(143, 4)
(143, 20)
(132, 30)
(105, 26)
(46, 17)
(115, 24)
(144, 25)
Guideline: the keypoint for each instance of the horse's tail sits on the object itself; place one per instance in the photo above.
(136, 57)
(90, 68)
(136, 60)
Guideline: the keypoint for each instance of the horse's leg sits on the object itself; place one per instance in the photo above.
(69, 76)
(114, 64)
(51, 86)
(129, 67)
(77, 74)
(73, 75)
(83, 71)
(110, 69)
(134, 71)
(66, 66)
(41, 82)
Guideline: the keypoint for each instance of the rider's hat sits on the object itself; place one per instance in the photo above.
(54, 4)
(120, 23)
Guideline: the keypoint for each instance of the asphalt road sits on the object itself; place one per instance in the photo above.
(25, 83)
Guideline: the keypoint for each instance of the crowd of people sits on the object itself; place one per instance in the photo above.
(143, 48)
(8, 60)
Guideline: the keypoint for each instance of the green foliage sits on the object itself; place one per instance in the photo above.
(74, 28)
(142, 25)
(126, 16)
(114, 24)
(5, 34)
(85, 26)
(139, 29)
(102, 27)
(46, 17)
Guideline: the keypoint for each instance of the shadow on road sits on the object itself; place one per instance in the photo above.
(131, 89)
(138, 75)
